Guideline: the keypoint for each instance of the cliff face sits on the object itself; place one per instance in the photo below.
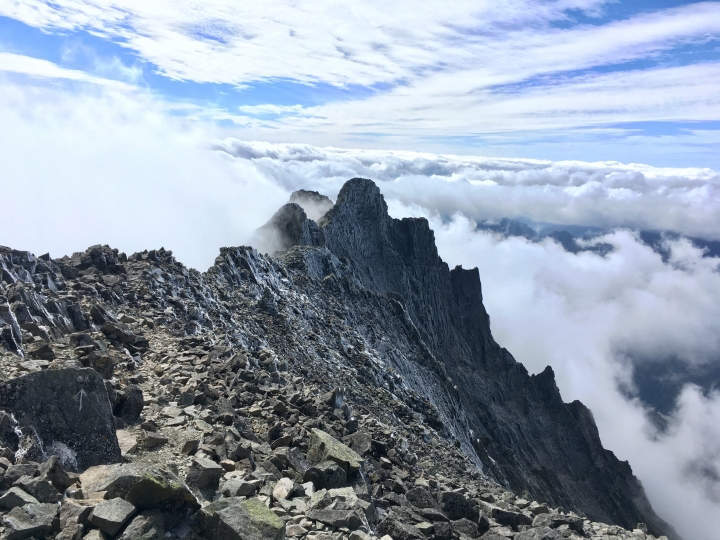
(359, 304)
(516, 424)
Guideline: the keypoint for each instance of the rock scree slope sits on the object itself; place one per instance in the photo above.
(345, 386)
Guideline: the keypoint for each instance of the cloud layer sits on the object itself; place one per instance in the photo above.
(604, 194)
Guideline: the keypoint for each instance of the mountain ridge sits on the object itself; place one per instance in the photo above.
(373, 309)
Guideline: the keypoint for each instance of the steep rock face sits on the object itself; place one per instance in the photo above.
(533, 440)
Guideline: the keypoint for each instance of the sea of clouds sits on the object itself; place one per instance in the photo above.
(110, 168)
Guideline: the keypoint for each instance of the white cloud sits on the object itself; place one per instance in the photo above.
(43, 69)
(112, 167)
(369, 42)
(602, 194)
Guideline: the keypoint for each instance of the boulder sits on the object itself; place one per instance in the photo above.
(146, 526)
(421, 498)
(236, 487)
(14, 497)
(326, 475)
(466, 527)
(336, 518)
(110, 516)
(457, 506)
(324, 447)
(147, 488)
(53, 472)
(69, 411)
(283, 489)
(32, 520)
(204, 473)
(39, 488)
(553, 521)
(537, 533)
(130, 403)
(398, 530)
(237, 519)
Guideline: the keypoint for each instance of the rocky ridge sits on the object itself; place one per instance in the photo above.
(347, 387)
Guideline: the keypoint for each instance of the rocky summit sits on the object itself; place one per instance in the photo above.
(344, 386)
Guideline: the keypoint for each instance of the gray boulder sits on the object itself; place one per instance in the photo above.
(147, 488)
(69, 411)
(537, 533)
(32, 520)
(324, 447)
(457, 506)
(146, 526)
(204, 473)
(326, 475)
(237, 519)
(110, 516)
(14, 497)
(421, 498)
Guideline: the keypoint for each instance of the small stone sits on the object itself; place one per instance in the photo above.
(283, 489)
(295, 530)
(153, 440)
(127, 441)
(110, 516)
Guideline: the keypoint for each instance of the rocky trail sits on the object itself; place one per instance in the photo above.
(346, 387)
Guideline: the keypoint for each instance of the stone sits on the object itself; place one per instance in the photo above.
(324, 447)
(442, 530)
(554, 521)
(147, 488)
(130, 404)
(153, 439)
(127, 441)
(237, 519)
(236, 487)
(295, 530)
(421, 498)
(147, 526)
(31, 520)
(326, 475)
(398, 530)
(426, 528)
(283, 488)
(360, 442)
(40, 488)
(16, 497)
(95, 534)
(457, 506)
(204, 473)
(537, 533)
(466, 527)
(336, 518)
(52, 471)
(69, 411)
(14, 472)
(110, 516)
(292, 458)
(506, 517)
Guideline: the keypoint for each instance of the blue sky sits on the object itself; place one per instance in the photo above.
(633, 81)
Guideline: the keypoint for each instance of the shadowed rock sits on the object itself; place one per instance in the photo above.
(67, 413)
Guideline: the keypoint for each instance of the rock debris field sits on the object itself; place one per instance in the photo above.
(269, 397)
